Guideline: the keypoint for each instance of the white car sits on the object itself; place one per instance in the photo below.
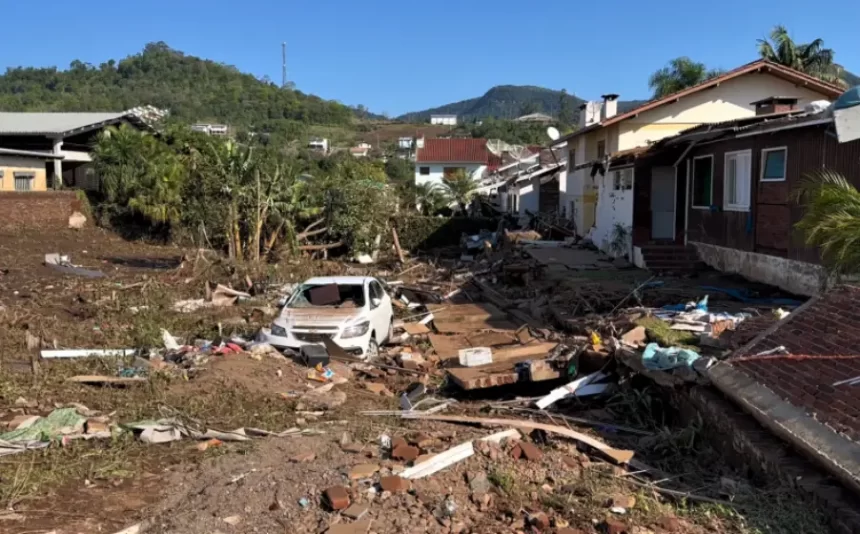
(353, 311)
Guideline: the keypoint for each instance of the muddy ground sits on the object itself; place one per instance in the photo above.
(276, 484)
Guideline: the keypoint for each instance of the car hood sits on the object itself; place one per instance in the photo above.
(319, 317)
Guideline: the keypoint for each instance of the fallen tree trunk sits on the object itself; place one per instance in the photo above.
(325, 246)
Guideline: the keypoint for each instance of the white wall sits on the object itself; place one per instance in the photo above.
(613, 207)
(730, 100)
(795, 276)
(437, 171)
(529, 193)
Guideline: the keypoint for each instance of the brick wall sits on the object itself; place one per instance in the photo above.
(747, 446)
(48, 209)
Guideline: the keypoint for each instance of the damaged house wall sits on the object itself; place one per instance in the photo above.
(761, 243)
(614, 207)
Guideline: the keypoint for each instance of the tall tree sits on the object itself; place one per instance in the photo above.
(811, 58)
(679, 74)
(832, 219)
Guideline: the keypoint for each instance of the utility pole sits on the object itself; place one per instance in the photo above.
(284, 64)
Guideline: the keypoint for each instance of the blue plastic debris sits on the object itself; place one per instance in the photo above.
(658, 358)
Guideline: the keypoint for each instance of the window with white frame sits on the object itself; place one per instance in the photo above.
(773, 162)
(24, 181)
(737, 180)
(702, 170)
(622, 179)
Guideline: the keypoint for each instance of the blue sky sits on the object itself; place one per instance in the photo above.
(399, 56)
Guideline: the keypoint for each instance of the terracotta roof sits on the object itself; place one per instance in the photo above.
(454, 151)
(763, 65)
(820, 369)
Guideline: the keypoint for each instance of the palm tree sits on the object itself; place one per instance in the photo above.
(832, 219)
(681, 73)
(811, 58)
(430, 198)
(460, 188)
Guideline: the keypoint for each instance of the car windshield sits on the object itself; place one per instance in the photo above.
(328, 295)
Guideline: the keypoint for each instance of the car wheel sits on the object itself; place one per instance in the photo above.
(372, 351)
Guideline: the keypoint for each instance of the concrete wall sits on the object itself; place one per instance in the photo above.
(729, 100)
(791, 275)
(437, 171)
(9, 165)
(529, 193)
(613, 207)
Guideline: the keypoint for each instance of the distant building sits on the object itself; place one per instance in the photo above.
(219, 130)
(438, 158)
(40, 151)
(319, 144)
(536, 117)
(404, 143)
(446, 120)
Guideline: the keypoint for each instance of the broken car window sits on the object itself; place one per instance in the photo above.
(334, 295)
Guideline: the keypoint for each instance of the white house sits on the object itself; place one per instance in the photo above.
(446, 120)
(437, 158)
(404, 143)
(319, 144)
(598, 194)
(534, 188)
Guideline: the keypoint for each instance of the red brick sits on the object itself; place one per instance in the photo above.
(337, 498)
(394, 484)
(614, 526)
(531, 453)
(405, 453)
(539, 521)
(399, 441)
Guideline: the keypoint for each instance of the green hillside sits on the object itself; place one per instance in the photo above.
(191, 88)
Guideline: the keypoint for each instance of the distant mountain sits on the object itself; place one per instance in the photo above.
(508, 102)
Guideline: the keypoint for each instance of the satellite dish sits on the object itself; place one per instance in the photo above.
(552, 132)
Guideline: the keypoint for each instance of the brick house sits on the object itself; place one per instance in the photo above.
(801, 379)
(732, 204)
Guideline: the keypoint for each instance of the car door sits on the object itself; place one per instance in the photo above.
(380, 315)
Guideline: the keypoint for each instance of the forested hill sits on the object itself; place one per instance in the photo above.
(191, 88)
(509, 102)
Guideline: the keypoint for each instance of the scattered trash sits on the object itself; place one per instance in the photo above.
(63, 264)
(77, 220)
(577, 388)
(657, 358)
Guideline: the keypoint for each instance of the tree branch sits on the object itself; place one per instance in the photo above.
(327, 246)
(306, 234)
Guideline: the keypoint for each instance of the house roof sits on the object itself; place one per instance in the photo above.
(819, 370)
(761, 65)
(42, 123)
(454, 150)
(29, 154)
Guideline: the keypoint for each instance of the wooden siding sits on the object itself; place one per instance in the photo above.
(768, 227)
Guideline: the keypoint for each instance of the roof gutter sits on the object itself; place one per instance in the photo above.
(787, 127)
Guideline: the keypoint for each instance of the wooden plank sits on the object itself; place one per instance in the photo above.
(448, 346)
(464, 326)
(530, 351)
(416, 329)
(620, 456)
(490, 339)
(475, 311)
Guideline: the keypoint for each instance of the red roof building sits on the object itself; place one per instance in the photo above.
(454, 151)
